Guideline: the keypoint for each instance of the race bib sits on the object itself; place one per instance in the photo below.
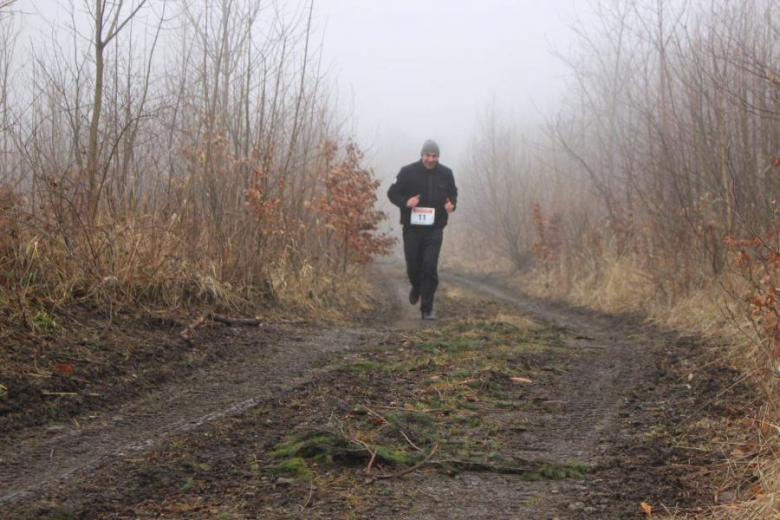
(423, 216)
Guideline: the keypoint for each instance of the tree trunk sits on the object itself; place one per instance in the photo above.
(92, 152)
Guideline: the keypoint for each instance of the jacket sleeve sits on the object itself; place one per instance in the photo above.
(397, 193)
(453, 191)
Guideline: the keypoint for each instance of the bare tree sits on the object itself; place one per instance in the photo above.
(668, 130)
(109, 20)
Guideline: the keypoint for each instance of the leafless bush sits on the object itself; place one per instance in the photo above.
(137, 175)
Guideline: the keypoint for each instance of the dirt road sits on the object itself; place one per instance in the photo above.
(603, 391)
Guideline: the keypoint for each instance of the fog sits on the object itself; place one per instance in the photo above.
(171, 170)
(405, 70)
(410, 70)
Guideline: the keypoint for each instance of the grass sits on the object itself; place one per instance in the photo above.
(454, 375)
(146, 265)
(459, 454)
(332, 446)
(410, 418)
(49, 511)
(189, 485)
(359, 367)
(44, 320)
(295, 467)
(188, 463)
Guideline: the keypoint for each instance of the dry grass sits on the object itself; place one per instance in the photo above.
(143, 266)
(465, 251)
(616, 287)
(324, 297)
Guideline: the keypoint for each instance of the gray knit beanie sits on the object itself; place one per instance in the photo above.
(430, 146)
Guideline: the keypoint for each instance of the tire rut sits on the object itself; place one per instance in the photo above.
(596, 387)
(578, 430)
(253, 373)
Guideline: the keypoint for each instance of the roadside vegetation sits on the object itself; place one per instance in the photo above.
(186, 161)
(654, 189)
(186, 158)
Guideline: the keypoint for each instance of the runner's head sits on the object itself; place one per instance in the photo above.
(430, 154)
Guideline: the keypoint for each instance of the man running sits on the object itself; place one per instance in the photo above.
(426, 193)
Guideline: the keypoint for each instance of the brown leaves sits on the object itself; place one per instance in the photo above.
(541, 248)
(347, 207)
(647, 508)
(64, 368)
(266, 208)
(765, 427)
(758, 262)
(521, 380)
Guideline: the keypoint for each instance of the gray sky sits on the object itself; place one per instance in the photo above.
(413, 69)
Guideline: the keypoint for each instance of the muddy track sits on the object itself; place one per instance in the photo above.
(598, 385)
(253, 373)
(262, 363)
(580, 423)
(257, 370)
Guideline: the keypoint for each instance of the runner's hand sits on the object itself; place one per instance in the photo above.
(450, 207)
(414, 201)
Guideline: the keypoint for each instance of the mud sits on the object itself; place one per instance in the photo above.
(612, 393)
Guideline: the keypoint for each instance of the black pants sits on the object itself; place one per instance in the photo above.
(421, 249)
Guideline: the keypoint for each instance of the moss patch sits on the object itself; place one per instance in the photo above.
(359, 367)
(294, 467)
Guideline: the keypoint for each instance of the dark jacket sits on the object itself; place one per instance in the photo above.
(434, 187)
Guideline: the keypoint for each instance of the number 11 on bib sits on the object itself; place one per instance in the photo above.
(423, 216)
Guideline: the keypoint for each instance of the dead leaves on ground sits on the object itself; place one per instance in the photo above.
(64, 368)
